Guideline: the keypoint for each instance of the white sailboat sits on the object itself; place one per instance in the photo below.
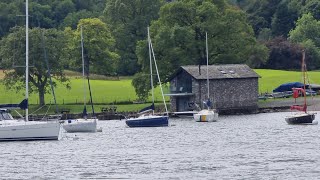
(22, 129)
(150, 120)
(206, 115)
(82, 124)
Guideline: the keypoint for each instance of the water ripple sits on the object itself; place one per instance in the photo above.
(260, 146)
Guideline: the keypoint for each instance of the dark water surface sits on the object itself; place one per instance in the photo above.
(258, 146)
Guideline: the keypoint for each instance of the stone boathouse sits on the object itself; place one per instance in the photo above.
(233, 88)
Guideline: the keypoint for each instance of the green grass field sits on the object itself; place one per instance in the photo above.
(108, 91)
(270, 79)
(103, 92)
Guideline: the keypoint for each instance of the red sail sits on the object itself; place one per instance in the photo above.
(299, 108)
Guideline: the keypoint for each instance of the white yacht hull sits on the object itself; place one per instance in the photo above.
(29, 131)
(206, 116)
(80, 125)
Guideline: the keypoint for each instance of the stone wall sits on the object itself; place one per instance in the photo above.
(226, 94)
(229, 93)
(173, 104)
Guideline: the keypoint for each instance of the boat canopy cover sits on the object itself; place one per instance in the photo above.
(147, 109)
(23, 105)
(288, 86)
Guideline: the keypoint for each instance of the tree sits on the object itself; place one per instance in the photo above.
(61, 9)
(72, 19)
(307, 33)
(47, 14)
(283, 54)
(8, 16)
(260, 13)
(178, 37)
(12, 51)
(283, 19)
(140, 82)
(98, 45)
(129, 20)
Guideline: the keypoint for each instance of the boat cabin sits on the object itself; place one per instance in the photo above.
(233, 88)
(5, 115)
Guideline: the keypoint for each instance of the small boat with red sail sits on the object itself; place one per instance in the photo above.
(303, 116)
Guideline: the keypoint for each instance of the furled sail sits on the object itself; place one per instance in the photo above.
(22, 105)
(147, 109)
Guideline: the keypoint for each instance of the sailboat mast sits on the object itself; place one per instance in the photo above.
(27, 58)
(151, 77)
(304, 68)
(207, 65)
(155, 64)
(48, 69)
(83, 75)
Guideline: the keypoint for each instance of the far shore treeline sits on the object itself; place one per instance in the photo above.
(263, 34)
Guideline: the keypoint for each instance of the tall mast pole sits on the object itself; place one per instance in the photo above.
(27, 58)
(151, 77)
(207, 65)
(304, 68)
(83, 75)
(159, 80)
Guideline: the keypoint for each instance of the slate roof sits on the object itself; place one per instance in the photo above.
(228, 71)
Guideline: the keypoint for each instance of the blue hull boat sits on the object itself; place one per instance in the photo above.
(148, 121)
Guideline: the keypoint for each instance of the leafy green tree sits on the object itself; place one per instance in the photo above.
(313, 6)
(12, 51)
(260, 13)
(72, 19)
(140, 82)
(98, 45)
(283, 19)
(8, 16)
(283, 54)
(129, 19)
(307, 33)
(178, 37)
(48, 14)
(61, 9)
(304, 7)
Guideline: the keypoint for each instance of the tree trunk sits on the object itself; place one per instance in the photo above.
(41, 96)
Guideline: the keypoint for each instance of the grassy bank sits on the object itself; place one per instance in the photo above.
(103, 91)
(270, 79)
(119, 90)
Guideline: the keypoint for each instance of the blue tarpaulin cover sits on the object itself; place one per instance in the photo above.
(288, 86)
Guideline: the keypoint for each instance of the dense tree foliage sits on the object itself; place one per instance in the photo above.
(98, 45)
(129, 19)
(283, 54)
(307, 33)
(179, 36)
(47, 14)
(8, 15)
(12, 52)
(260, 33)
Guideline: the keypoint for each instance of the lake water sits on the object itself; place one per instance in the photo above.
(258, 146)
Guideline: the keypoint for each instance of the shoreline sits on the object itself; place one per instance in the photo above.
(283, 105)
